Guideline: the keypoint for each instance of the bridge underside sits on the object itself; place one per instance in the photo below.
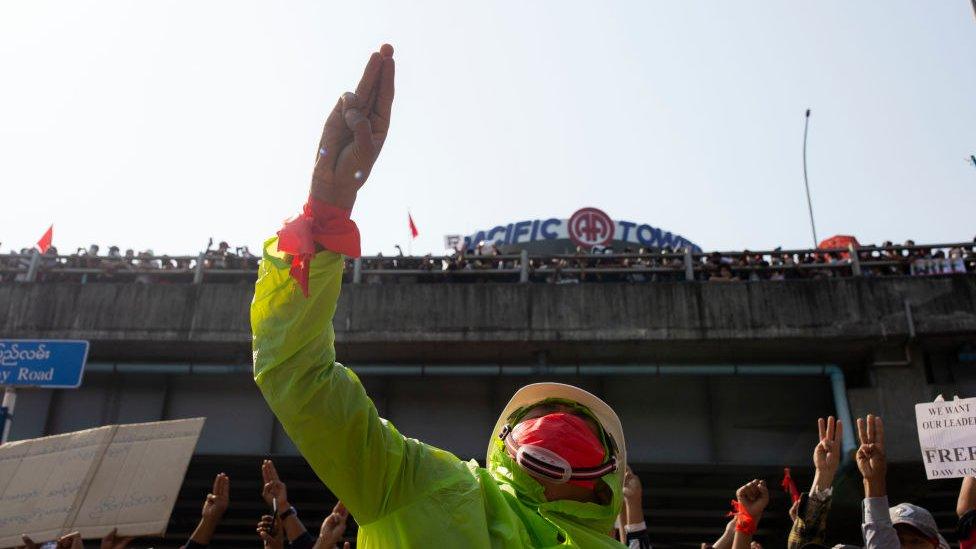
(693, 438)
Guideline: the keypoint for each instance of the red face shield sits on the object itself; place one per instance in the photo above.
(559, 447)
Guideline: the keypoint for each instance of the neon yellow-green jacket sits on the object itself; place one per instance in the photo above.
(402, 492)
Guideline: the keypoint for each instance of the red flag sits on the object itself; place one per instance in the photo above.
(45, 242)
(413, 227)
(790, 486)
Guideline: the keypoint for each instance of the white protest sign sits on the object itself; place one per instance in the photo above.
(947, 435)
(93, 481)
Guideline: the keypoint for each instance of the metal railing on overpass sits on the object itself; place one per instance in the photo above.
(643, 266)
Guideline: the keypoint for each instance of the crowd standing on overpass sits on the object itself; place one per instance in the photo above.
(485, 263)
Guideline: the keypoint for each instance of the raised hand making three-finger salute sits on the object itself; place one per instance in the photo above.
(354, 134)
(275, 494)
(809, 513)
(214, 507)
(871, 460)
(827, 453)
(333, 528)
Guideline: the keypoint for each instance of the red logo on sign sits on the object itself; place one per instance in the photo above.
(590, 227)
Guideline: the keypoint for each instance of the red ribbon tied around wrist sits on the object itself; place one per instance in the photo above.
(744, 522)
(319, 223)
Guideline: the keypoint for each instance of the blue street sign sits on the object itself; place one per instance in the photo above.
(48, 363)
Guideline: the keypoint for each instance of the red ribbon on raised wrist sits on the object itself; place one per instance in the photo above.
(744, 522)
(319, 223)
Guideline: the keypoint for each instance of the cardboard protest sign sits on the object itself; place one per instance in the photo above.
(947, 435)
(93, 481)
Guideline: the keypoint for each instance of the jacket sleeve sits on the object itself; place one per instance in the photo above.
(321, 404)
(876, 524)
(810, 525)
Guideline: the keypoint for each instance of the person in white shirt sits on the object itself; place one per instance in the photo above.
(904, 525)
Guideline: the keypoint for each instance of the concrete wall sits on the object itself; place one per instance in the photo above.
(689, 420)
(699, 321)
(862, 324)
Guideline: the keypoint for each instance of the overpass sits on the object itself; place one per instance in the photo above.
(703, 374)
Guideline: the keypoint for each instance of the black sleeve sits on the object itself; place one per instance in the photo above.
(304, 541)
(640, 539)
(966, 530)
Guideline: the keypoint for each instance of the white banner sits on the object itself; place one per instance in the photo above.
(92, 481)
(947, 435)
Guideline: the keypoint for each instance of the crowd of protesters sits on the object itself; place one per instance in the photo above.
(277, 530)
(883, 526)
(487, 263)
(638, 265)
(90, 265)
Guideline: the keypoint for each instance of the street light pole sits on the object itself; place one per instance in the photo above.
(806, 182)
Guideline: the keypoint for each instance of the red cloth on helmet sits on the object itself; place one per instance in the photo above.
(567, 435)
(322, 223)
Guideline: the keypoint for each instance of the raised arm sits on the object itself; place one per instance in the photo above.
(214, 507)
(967, 496)
(871, 462)
(320, 403)
(752, 499)
(810, 522)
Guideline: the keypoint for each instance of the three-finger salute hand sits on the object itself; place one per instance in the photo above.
(870, 456)
(827, 452)
(218, 499)
(274, 488)
(826, 456)
(354, 133)
(334, 526)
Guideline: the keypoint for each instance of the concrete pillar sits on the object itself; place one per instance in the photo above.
(855, 260)
(689, 266)
(198, 271)
(894, 392)
(524, 264)
(357, 270)
(35, 263)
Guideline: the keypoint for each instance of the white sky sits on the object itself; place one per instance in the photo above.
(160, 124)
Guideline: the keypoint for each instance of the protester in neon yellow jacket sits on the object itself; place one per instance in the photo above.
(402, 492)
